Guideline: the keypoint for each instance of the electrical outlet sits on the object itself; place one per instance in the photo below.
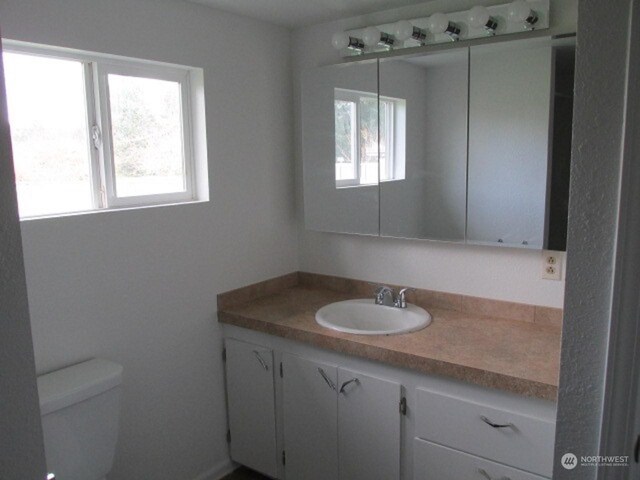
(551, 265)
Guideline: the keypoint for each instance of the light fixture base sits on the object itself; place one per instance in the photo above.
(356, 44)
(491, 26)
(532, 20)
(453, 31)
(419, 35)
(511, 17)
(386, 40)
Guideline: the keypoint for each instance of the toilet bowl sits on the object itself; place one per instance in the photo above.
(80, 407)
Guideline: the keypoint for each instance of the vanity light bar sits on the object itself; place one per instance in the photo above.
(509, 18)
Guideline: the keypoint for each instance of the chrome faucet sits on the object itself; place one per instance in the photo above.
(384, 296)
(387, 297)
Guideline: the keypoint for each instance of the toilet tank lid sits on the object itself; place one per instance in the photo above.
(76, 383)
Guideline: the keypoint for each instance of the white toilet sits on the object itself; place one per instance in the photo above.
(80, 406)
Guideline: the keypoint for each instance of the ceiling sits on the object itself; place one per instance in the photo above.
(297, 13)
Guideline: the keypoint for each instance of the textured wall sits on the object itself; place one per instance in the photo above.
(139, 287)
(506, 274)
(21, 448)
(598, 129)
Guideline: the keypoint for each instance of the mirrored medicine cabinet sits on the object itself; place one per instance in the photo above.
(469, 145)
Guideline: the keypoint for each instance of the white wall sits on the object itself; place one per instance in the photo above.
(598, 139)
(139, 287)
(483, 271)
(21, 447)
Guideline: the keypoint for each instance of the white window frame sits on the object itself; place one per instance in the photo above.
(351, 96)
(96, 69)
(390, 144)
(392, 170)
(103, 120)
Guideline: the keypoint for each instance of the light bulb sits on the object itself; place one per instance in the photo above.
(403, 30)
(371, 36)
(340, 40)
(520, 12)
(478, 16)
(438, 23)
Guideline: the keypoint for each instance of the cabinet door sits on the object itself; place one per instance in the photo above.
(340, 148)
(509, 123)
(424, 104)
(310, 419)
(368, 427)
(251, 398)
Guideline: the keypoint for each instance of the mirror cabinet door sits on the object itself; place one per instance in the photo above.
(564, 50)
(510, 99)
(340, 148)
(423, 146)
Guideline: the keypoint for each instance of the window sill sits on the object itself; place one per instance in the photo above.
(358, 185)
(109, 210)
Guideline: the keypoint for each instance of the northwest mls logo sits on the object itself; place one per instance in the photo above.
(569, 461)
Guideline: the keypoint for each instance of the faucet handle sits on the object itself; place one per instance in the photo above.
(401, 300)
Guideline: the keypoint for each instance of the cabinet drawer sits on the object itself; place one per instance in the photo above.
(527, 442)
(435, 462)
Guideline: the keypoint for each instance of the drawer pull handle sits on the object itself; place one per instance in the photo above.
(495, 425)
(327, 379)
(260, 359)
(344, 385)
(484, 473)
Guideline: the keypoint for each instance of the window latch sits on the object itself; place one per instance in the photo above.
(96, 136)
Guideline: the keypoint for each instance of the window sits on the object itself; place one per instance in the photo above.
(368, 144)
(92, 132)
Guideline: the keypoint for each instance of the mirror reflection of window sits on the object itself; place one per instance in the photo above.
(366, 146)
(346, 153)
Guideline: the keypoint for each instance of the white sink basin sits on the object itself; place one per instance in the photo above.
(364, 317)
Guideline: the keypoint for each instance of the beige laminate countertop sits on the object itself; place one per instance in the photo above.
(510, 355)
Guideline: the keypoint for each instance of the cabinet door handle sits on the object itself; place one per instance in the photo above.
(327, 379)
(261, 360)
(495, 425)
(344, 385)
(484, 473)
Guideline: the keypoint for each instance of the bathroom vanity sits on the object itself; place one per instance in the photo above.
(471, 396)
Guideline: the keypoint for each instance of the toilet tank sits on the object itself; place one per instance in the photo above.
(80, 406)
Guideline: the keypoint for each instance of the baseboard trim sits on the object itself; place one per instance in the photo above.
(218, 471)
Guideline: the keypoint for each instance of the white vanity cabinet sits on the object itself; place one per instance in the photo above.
(298, 412)
(251, 406)
(339, 423)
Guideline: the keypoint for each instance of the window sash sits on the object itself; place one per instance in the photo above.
(386, 107)
(96, 69)
(103, 120)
